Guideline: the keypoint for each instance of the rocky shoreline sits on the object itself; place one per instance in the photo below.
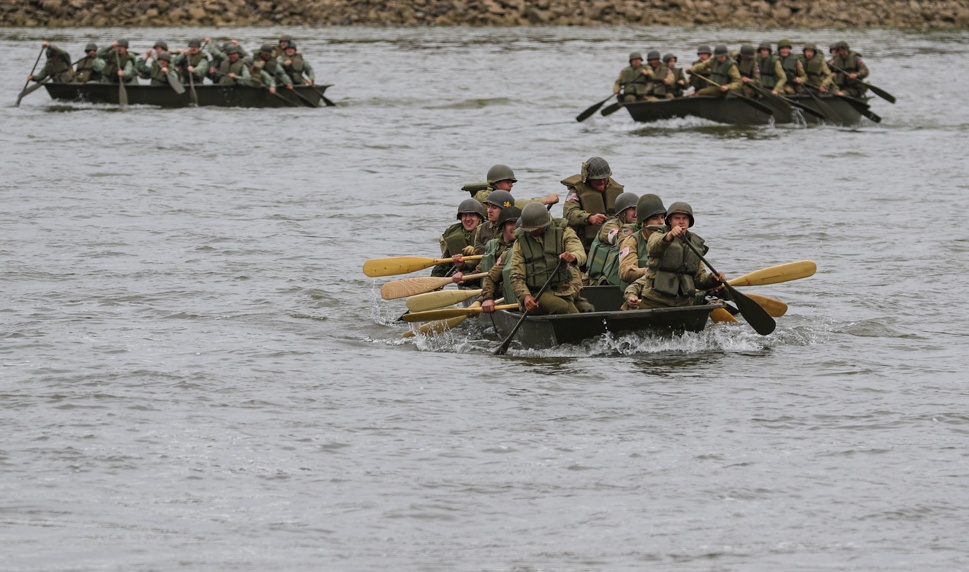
(930, 14)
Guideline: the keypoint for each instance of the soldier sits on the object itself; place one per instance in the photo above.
(680, 83)
(816, 68)
(494, 259)
(161, 71)
(145, 70)
(192, 62)
(84, 71)
(630, 85)
(298, 69)
(591, 199)
(603, 260)
(771, 71)
(722, 70)
(541, 243)
(794, 74)
(57, 67)
(633, 256)
(749, 71)
(674, 272)
(232, 69)
(265, 62)
(494, 203)
(115, 64)
(849, 70)
(659, 78)
(501, 177)
(459, 236)
(219, 54)
(280, 48)
(703, 54)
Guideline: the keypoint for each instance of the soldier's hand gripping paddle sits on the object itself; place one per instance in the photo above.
(24, 91)
(503, 348)
(122, 92)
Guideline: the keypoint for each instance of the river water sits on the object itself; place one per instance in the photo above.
(196, 374)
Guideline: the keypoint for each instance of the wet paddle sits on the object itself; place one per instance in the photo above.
(774, 307)
(122, 92)
(756, 316)
(776, 274)
(441, 326)
(403, 264)
(434, 300)
(874, 88)
(34, 87)
(503, 348)
(592, 109)
(309, 102)
(751, 102)
(193, 97)
(413, 286)
(326, 100)
(447, 313)
(24, 91)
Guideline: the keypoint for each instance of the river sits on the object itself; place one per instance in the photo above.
(196, 374)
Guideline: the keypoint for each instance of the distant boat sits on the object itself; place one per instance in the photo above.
(208, 95)
(735, 111)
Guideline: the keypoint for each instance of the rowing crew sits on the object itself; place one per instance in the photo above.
(717, 72)
(228, 64)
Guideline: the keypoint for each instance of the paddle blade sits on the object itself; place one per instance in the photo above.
(757, 317)
(412, 287)
(448, 313)
(396, 265)
(434, 328)
(776, 274)
(721, 315)
(435, 300)
(881, 93)
(774, 307)
(611, 109)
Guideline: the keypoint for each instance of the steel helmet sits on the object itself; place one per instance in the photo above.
(668, 57)
(811, 46)
(747, 50)
(625, 201)
(233, 49)
(92, 47)
(471, 206)
(635, 56)
(290, 45)
(703, 50)
(535, 216)
(653, 55)
(266, 49)
(509, 214)
(501, 173)
(842, 45)
(681, 208)
(195, 43)
(648, 206)
(764, 46)
(164, 56)
(161, 44)
(596, 168)
(785, 44)
(122, 43)
(500, 199)
(721, 50)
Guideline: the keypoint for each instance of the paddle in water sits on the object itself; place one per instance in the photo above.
(503, 348)
(24, 91)
(122, 92)
(751, 102)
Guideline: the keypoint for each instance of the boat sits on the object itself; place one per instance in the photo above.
(542, 332)
(208, 95)
(736, 111)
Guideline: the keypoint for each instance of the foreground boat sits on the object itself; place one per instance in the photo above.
(735, 111)
(208, 95)
(540, 332)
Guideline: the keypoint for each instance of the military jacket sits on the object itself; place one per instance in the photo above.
(657, 80)
(696, 82)
(792, 66)
(272, 68)
(772, 74)
(674, 272)
(107, 65)
(492, 283)
(533, 261)
(583, 201)
(297, 69)
(851, 64)
(57, 67)
(158, 77)
(453, 241)
(679, 76)
(631, 81)
(199, 61)
(817, 71)
(749, 69)
(84, 71)
(724, 73)
(226, 67)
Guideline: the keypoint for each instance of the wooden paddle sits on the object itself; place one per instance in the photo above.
(34, 87)
(403, 264)
(309, 102)
(441, 326)
(756, 316)
(776, 274)
(775, 308)
(193, 98)
(122, 92)
(503, 348)
(24, 92)
(751, 102)
(721, 315)
(414, 286)
(874, 89)
(446, 313)
(434, 300)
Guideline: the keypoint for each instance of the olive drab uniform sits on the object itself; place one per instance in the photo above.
(772, 74)
(851, 64)
(724, 73)
(298, 69)
(57, 67)
(632, 84)
(583, 201)
(228, 66)
(674, 273)
(792, 69)
(603, 262)
(107, 65)
(453, 241)
(679, 75)
(748, 68)
(493, 262)
(84, 71)
(534, 261)
(634, 257)
(657, 88)
(154, 72)
(483, 234)
(199, 61)
(818, 73)
(695, 82)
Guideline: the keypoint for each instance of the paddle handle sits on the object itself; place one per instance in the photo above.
(503, 348)
(32, 70)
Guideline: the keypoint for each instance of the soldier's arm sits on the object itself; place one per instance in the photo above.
(862, 68)
(575, 246)
(202, 68)
(781, 76)
(573, 212)
(43, 74)
(245, 72)
(799, 71)
(736, 81)
(308, 71)
(619, 81)
(826, 78)
(518, 285)
(656, 246)
(701, 67)
(129, 69)
(65, 57)
(629, 270)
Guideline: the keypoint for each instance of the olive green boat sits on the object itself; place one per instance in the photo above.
(207, 95)
(736, 111)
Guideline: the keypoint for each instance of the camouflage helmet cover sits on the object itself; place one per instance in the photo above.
(596, 168)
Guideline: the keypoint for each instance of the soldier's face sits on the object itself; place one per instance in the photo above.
(469, 221)
(655, 219)
(671, 63)
(653, 63)
(504, 185)
(703, 57)
(290, 51)
(598, 184)
(680, 220)
(493, 212)
(809, 53)
(764, 52)
(629, 215)
(636, 62)
(784, 52)
(508, 232)
(843, 52)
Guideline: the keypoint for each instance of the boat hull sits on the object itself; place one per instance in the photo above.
(735, 111)
(163, 96)
(542, 332)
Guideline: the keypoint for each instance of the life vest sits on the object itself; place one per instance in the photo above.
(455, 238)
(813, 67)
(747, 67)
(632, 81)
(541, 259)
(674, 272)
(111, 68)
(656, 85)
(158, 77)
(849, 64)
(493, 251)
(506, 283)
(227, 67)
(295, 69)
(767, 76)
(790, 66)
(592, 201)
(720, 71)
(85, 70)
(603, 262)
